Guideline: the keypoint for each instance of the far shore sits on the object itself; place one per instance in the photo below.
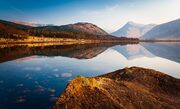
(74, 41)
(32, 40)
(159, 40)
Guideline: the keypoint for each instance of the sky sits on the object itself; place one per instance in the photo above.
(110, 15)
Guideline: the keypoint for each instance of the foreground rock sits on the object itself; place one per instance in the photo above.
(129, 88)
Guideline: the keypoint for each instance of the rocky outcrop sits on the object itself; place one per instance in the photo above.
(129, 88)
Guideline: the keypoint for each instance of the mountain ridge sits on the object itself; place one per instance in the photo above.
(81, 30)
(133, 30)
(166, 31)
(81, 27)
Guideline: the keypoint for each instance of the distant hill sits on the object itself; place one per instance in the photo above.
(166, 31)
(133, 30)
(87, 28)
(77, 28)
(78, 31)
(7, 29)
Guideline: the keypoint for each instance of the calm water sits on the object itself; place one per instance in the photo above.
(34, 76)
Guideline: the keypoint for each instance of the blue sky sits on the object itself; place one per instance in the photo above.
(108, 14)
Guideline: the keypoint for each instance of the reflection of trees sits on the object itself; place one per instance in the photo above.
(80, 51)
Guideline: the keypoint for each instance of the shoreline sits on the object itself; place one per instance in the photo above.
(33, 40)
(159, 40)
(82, 41)
(36, 40)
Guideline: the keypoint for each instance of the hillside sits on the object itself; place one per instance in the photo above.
(165, 31)
(133, 30)
(75, 31)
(86, 28)
(129, 88)
(12, 30)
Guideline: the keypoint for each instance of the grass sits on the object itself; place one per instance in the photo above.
(80, 82)
(34, 39)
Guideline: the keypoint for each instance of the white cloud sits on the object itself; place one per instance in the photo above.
(66, 75)
(32, 68)
(55, 70)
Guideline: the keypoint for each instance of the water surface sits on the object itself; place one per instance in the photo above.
(33, 76)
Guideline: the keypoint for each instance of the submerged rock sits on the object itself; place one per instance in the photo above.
(129, 88)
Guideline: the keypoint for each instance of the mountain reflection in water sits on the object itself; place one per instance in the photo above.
(80, 51)
(33, 76)
(87, 51)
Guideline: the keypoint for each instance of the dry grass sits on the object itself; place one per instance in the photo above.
(34, 39)
(80, 82)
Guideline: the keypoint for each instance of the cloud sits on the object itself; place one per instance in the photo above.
(32, 68)
(56, 75)
(66, 75)
(51, 90)
(39, 89)
(55, 70)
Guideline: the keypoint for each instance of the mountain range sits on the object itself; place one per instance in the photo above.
(83, 30)
(133, 30)
(165, 31)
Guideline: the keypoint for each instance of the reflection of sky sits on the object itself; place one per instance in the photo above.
(40, 80)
